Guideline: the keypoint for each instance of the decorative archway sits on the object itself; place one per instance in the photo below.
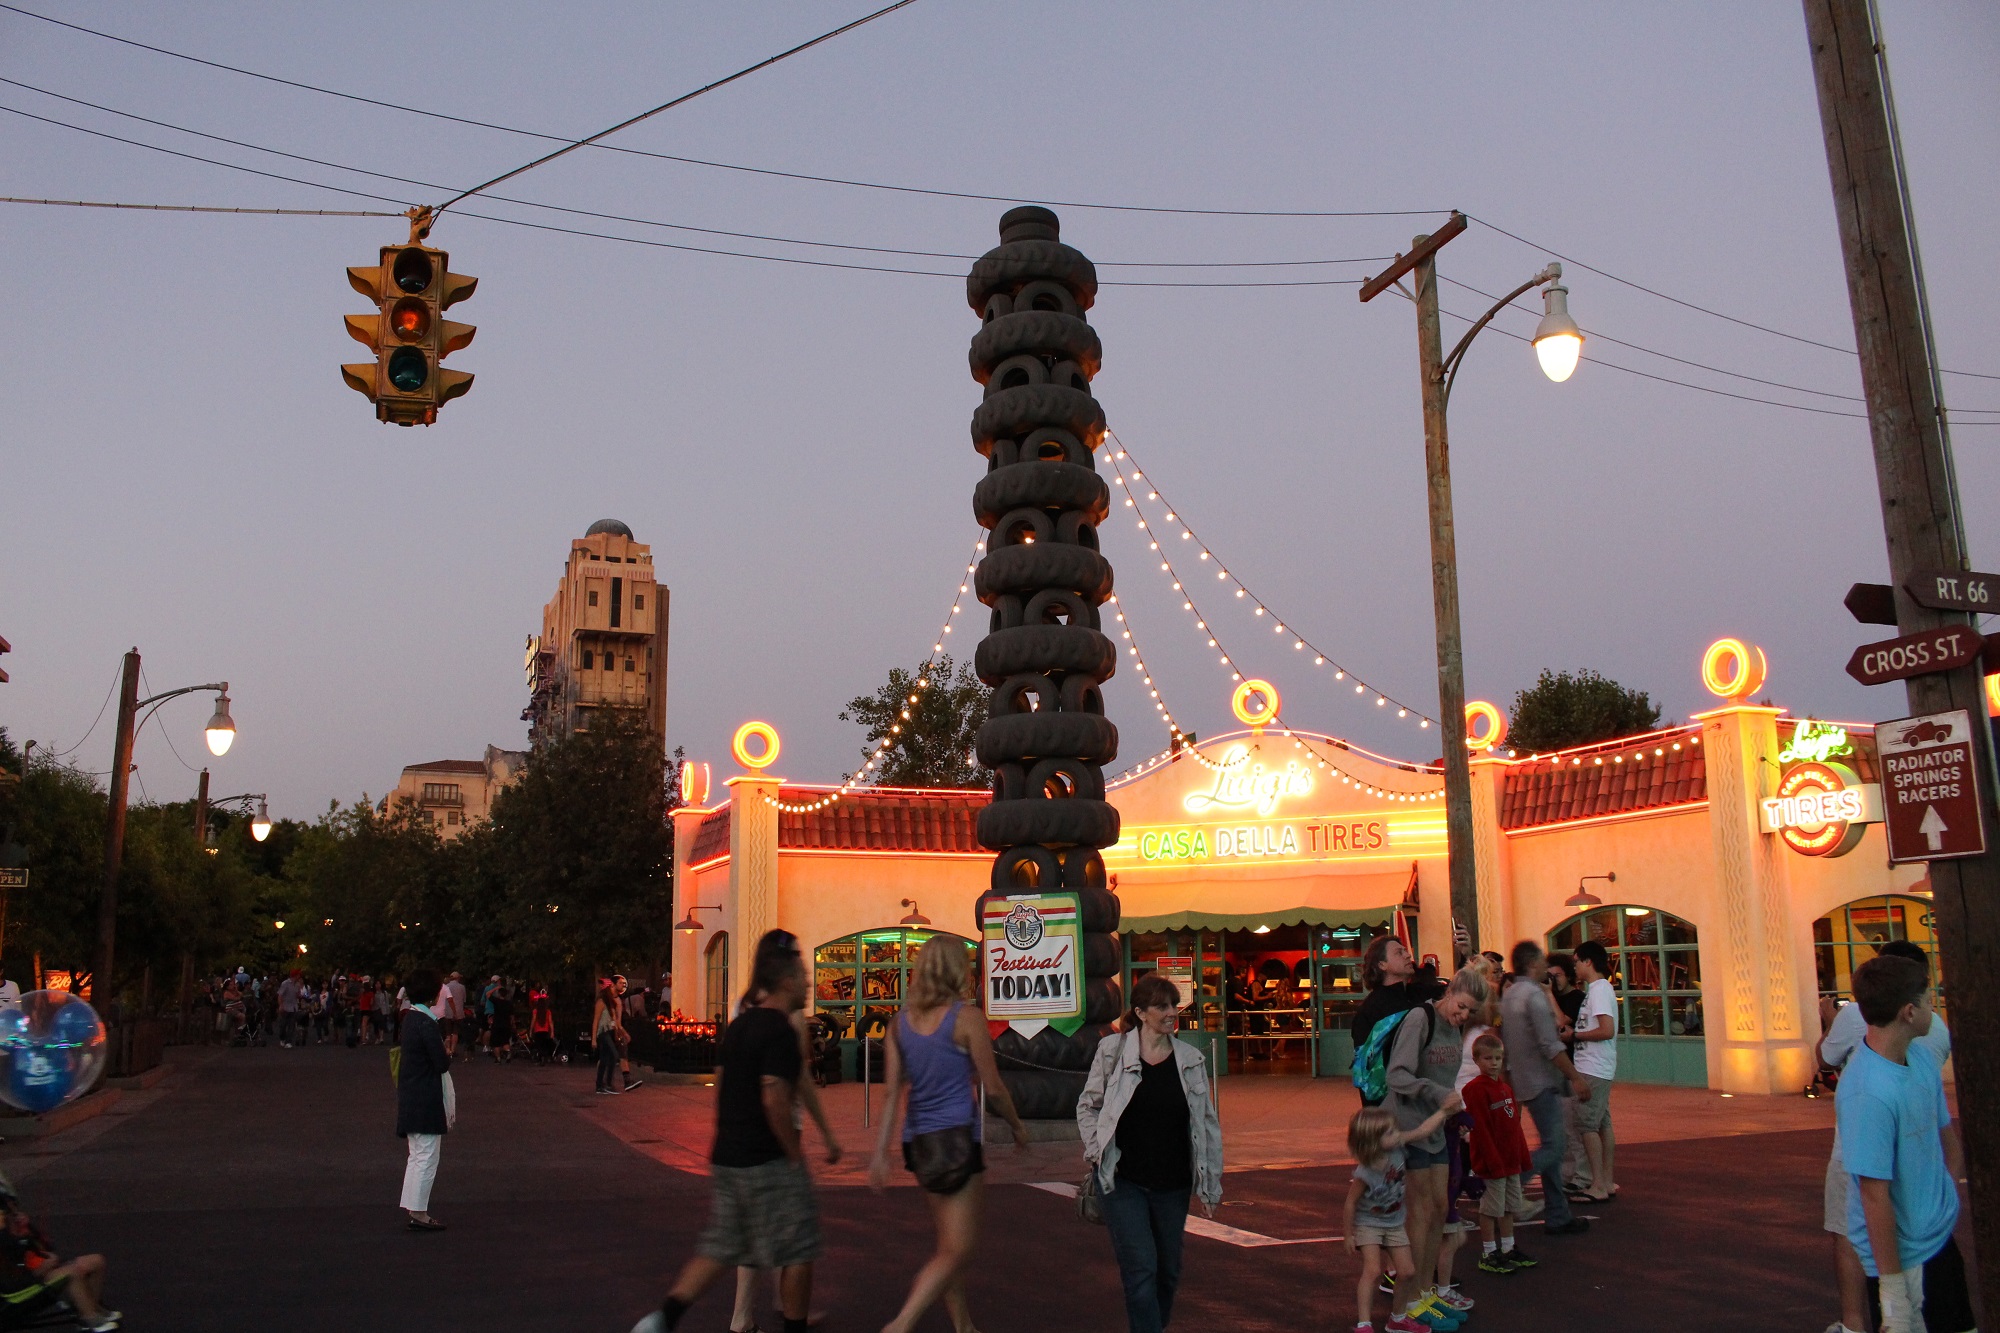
(715, 978)
(1656, 970)
(1847, 937)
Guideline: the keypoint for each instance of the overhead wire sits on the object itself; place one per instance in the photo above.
(209, 208)
(723, 166)
(115, 675)
(684, 98)
(167, 735)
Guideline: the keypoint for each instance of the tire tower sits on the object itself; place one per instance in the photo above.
(1046, 738)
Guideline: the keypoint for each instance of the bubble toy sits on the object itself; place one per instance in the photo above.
(51, 1050)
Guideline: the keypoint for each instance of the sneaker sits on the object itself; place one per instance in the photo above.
(1496, 1262)
(1386, 1284)
(1530, 1210)
(104, 1323)
(1519, 1257)
(632, 1083)
(1455, 1300)
(1402, 1323)
(1432, 1313)
(652, 1323)
(1576, 1226)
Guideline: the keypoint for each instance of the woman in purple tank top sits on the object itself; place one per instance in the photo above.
(937, 1046)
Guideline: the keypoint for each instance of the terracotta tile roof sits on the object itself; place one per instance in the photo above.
(711, 836)
(448, 766)
(1557, 789)
(888, 821)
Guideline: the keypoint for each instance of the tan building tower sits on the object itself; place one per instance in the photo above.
(455, 794)
(604, 638)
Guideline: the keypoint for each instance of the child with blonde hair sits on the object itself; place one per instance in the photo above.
(1374, 1214)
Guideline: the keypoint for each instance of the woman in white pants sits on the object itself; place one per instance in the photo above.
(421, 1079)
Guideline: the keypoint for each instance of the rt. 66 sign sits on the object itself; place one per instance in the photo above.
(1822, 809)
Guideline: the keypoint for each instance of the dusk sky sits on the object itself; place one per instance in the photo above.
(183, 469)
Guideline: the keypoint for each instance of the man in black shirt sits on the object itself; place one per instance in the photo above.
(1395, 984)
(763, 1213)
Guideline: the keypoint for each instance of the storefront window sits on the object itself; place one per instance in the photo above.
(859, 980)
(1656, 967)
(1847, 937)
(715, 982)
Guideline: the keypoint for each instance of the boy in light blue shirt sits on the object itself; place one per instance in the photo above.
(1902, 1152)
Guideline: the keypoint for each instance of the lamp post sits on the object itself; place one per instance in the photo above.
(220, 731)
(260, 820)
(1558, 344)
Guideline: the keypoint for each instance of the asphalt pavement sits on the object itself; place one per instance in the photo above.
(257, 1189)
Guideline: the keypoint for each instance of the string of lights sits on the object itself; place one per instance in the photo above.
(1114, 457)
(1179, 740)
(855, 778)
(1260, 609)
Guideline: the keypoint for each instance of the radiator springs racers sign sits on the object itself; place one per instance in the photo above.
(1031, 962)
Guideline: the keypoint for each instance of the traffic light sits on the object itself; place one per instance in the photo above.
(408, 333)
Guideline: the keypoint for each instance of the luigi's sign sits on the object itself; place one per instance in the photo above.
(1031, 964)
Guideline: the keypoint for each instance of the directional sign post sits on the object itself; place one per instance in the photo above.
(1924, 654)
(1929, 787)
(1954, 590)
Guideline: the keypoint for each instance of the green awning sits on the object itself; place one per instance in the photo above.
(1290, 916)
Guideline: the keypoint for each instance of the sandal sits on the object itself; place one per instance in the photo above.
(427, 1224)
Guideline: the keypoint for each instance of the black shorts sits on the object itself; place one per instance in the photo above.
(1947, 1302)
(977, 1163)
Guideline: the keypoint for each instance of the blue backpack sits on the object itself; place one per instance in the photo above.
(1370, 1069)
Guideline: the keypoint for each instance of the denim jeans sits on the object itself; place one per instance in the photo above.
(607, 1060)
(1146, 1229)
(1546, 1107)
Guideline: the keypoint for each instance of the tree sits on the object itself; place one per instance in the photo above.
(1564, 709)
(931, 730)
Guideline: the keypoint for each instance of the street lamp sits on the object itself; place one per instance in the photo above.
(260, 825)
(1558, 344)
(221, 731)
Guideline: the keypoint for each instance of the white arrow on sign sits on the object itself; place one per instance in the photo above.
(1932, 828)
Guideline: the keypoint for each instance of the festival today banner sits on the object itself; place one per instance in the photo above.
(1031, 956)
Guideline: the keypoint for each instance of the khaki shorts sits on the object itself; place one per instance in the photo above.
(1503, 1198)
(1593, 1113)
(1389, 1238)
(1837, 1184)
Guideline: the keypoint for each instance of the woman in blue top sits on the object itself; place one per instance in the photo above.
(935, 1048)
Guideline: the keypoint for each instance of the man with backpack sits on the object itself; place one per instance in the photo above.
(1540, 1064)
(1395, 986)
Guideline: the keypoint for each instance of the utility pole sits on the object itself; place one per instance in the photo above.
(201, 813)
(1921, 520)
(114, 834)
(1462, 869)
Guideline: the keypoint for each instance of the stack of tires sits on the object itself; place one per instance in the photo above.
(1046, 738)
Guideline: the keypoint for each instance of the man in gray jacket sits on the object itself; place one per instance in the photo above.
(1539, 1064)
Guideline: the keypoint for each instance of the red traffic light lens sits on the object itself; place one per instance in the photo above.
(410, 319)
(413, 271)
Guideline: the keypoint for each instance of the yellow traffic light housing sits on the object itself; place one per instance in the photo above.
(411, 287)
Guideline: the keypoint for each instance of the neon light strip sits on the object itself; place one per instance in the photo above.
(1685, 807)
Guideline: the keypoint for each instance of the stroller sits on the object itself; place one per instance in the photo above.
(36, 1289)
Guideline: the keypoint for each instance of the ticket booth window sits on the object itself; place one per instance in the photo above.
(1656, 967)
(1848, 936)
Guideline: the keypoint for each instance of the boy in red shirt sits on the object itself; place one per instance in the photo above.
(1499, 1154)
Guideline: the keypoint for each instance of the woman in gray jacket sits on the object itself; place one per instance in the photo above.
(1151, 1133)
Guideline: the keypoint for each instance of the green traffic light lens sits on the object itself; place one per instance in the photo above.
(408, 370)
(413, 271)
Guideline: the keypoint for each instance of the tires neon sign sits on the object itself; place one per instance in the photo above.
(1822, 809)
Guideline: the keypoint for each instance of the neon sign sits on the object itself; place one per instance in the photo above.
(1815, 743)
(1328, 838)
(1241, 786)
(1821, 809)
(1734, 670)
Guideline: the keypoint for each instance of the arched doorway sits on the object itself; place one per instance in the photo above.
(1656, 966)
(1847, 937)
(858, 984)
(715, 978)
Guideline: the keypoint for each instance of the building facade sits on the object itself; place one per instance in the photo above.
(455, 794)
(604, 638)
(1734, 866)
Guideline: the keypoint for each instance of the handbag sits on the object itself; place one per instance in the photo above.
(450, 1103)
(395, 1064)
(944, 1159)
(1090, 1197)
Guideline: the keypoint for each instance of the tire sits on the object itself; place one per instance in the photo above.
(1026, 570)
(1007, 652)
(1083, 870)
(1008, 266)
(1001, 879)
(1103, 1000)
(1034, 331)
(1099, 910)
(1039, 1095)
(1015, 412)
(1052, 1050)
(1007, 696)
(1039, 485)
(1086, 780)
(1103, 955)
(1071, 823)
(1090, 737)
